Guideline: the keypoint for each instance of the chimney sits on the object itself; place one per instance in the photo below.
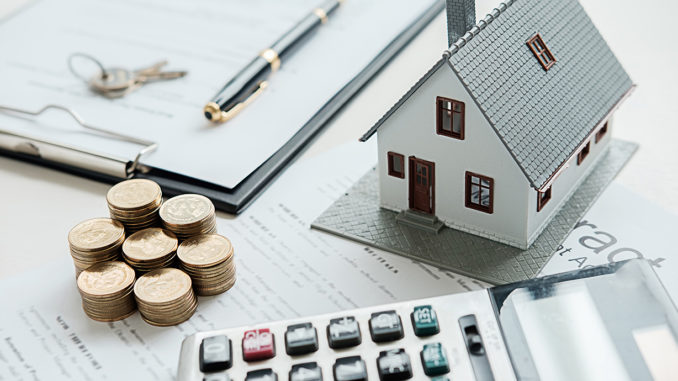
(461, 17)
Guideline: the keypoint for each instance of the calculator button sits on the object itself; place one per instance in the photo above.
(301, 339)
(258, 344)
(343, 332)
(425, 321)
(217, 377)
(350, 369)
(434, 359)
(261, 375)
(441, 378)
(309, 371)
(394, 365)
(386, 326)
(216, 353)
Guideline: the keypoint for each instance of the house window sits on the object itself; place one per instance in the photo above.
(396, 165)
(542, 198)
(541, 51)
(450, 119)
(583, 153)
(601, 132)
(479, 192)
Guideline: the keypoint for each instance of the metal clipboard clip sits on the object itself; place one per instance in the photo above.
(71, 155)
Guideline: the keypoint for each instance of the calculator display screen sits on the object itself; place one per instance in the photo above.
(610, 324)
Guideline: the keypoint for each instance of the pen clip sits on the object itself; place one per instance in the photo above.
(233, 111)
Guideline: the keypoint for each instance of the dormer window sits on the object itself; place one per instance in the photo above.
(450, 118)
(541, 51)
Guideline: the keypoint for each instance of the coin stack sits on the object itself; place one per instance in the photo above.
(208, 259)
(150, 249)
(165, 297)
(188, 215)
(135, 203)
(95, 241)
(106, 291)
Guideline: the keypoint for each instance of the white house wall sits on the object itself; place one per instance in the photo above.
(411, 131)
(564, 186)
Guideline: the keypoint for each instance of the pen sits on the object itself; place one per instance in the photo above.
(242, 89)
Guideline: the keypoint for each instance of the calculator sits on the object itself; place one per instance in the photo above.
(606, 322)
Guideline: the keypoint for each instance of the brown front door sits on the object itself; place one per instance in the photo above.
(422, 176)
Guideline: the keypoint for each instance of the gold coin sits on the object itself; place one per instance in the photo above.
(97, 233)
(186, 209)
(150, 244)
(204, 250)
(110, 318)
(106, 278)
(162, 285)
(175, 320)
(133, 194)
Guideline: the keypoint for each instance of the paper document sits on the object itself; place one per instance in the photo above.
(212, 40)
(284, 270)
(622, 225)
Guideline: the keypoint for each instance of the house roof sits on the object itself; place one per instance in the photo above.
(542, 117)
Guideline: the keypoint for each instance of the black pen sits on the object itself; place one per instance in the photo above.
(251, 80)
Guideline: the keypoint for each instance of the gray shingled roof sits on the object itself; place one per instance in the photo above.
(540, 116)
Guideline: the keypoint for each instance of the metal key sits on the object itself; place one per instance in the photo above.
(118, 82)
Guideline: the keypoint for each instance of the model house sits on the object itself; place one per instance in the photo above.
(500, 132)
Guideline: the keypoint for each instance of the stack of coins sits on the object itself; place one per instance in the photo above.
(208, 260)
(150, 249)
(95, 241)
(135, 203)
(165, 297)
(106, 290)
(189, 215)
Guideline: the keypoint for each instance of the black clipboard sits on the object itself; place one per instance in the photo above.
(235, 200)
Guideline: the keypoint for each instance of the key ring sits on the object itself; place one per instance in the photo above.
(104, 73)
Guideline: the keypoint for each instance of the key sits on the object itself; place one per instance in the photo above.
(155, 73)
(117, 82)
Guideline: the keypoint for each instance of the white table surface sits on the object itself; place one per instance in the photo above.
(38, 206)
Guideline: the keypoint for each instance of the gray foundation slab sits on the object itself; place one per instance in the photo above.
(357, 216)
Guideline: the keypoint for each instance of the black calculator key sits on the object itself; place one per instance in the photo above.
(309, 371)
(216, 353)
(301, 339)
(394, 365)
(261, 375)
(386, 326)
(343, 332)
(217, 377)
(350, 369)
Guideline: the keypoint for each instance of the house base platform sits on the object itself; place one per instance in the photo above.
(358, 216)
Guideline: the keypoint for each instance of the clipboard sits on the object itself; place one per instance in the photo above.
(111, 169)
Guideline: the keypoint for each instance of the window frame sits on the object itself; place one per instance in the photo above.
(583, 152)
(543, 198)
(601, 132)
(391, 171)
(439, 118)
(541, 51)
(486, 209)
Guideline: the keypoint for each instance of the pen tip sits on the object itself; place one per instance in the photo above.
(208, 115)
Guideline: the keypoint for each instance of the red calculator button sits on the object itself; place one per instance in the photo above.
(258, 344)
